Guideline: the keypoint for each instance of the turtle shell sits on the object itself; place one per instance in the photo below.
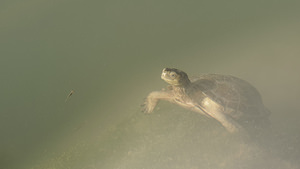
(236, 97)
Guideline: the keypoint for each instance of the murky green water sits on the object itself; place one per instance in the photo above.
(111, 54)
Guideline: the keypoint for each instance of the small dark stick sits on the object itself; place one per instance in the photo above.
(70, 94)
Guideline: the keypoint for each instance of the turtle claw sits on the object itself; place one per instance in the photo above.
(146, 107)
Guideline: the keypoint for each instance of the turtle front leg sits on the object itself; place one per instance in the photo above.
(153, 98)
(216, 111)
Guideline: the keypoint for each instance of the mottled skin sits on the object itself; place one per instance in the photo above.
(231, 101)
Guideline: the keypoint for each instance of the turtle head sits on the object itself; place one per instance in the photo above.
(175, 77)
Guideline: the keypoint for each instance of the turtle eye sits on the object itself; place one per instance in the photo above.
(173, 75)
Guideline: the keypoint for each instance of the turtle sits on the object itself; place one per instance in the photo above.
(233, 102)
